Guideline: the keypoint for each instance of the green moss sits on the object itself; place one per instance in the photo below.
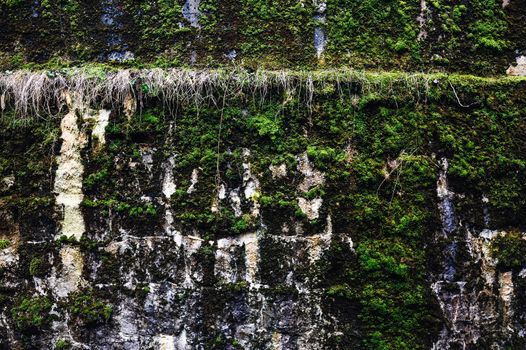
(4, 243)
(62, 344)
(63, 239)
(267, 125)
(132, 210)
(95, 178)
(237, 287)
(509, 250)
(31, 313)
(339, 290)
(36, 266)
(10, 2)
(390, 291)
(377, 137)
(89, 309)
(476, 36)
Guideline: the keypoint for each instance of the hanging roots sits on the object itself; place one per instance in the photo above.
(31, 93)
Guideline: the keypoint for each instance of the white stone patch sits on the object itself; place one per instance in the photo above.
(223, 260)
(245, 334)
(278, 171)
(101, 122)
(421, 19)
(310, 208)
(68, 187)
(251, 244)
(445, 196)
(129, 277)
(147, 158)
(276, 341)
(251, 184)
(519, 69)
(236, 202)
(191, 12)
(347, 239)
(168, 220)
(126, 319)
(70, 278)
(130, 106)
(224, 257)
(193, 181)
(312, 177)
(319, 243)
(164, 342)
(119, 247)
(40, 285)
(146, 199)
(168, 185)
(181, 342)
(214, 208)
(68, 178)
(190, 245)
(506, 294)
(489, 234)
(251, 188)
(505, 3)
(8, 182)
(442, 183)
(315, 244)
(8, 257)
(458, 309)
(480, 249)
(221, 194)
(320, 37)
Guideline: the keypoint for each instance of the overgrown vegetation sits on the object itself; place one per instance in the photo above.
(4, 243)
(29, 92)
(479, 36)
(62, 344)
(510, 251)
(31, 313)
(36, 267)
(88, 309)
(377, 139)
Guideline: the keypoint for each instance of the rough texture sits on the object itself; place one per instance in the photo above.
(476, 36)
(379, 212)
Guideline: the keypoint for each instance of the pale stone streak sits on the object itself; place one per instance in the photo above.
(68, 188)
(68, 178)
(224, 257)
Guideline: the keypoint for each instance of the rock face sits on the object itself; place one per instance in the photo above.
(475, 298)
(344, 215)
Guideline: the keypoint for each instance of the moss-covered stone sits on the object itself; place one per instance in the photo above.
(479, 36)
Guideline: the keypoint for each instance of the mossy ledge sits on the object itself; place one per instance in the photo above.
(42, 92)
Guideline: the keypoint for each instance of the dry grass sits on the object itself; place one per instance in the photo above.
(31, 93)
